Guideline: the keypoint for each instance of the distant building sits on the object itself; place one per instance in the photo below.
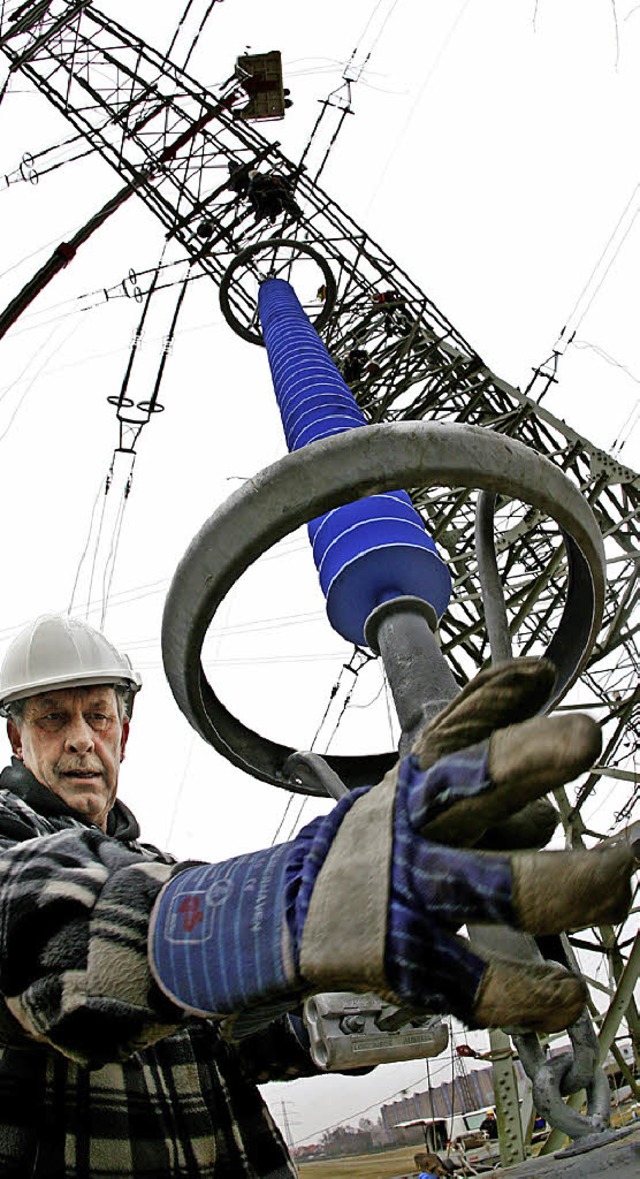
(474, 1090)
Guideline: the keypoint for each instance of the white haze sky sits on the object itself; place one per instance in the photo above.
(492, 152)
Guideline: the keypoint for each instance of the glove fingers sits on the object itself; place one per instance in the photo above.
(496, 697)
(537, 997)
(539, 892)
(525, 762)
(453, 886)
(558, 891)
(431, 969)
(545, 752)
(532, 827)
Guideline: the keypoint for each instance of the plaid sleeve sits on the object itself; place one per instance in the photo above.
(74, 915)
(278, 1052)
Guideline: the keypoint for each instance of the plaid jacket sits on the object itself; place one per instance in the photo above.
(100, 1075)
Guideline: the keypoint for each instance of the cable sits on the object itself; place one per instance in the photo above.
(109, 566)
(199, 32)
(374, 1105)
(607, 357)
(377, 36)
(180, 790)
(332, 695)
(358, 660)
(34, 253)
(372, 701)
(17, 379)
(616, 31)
(387, 697)
(281, 823)
(85, 549)
(97, 544)
(347, 80)
(346, 703)
(373, 44)
(399, 136)
(139, 333)
(294, 825)
(453, 1076)
(178, 27)
(570, 328)
(35, 377)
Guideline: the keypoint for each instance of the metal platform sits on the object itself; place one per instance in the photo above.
(619, 1158)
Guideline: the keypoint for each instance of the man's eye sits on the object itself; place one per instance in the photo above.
(98, 720)
(52, 720)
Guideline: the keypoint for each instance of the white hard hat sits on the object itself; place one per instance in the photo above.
(56, 651)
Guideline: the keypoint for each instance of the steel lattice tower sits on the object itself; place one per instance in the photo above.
(172, 139)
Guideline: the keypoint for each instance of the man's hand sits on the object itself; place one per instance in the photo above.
(391, 864)
(371, 896)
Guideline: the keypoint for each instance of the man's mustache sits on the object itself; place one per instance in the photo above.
(76, 764)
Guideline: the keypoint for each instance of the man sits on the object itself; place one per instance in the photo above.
(490, 1125)
(143, 999)
(97, 1080)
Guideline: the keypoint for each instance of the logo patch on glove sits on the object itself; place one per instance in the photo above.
(189, 918)
(190, 908)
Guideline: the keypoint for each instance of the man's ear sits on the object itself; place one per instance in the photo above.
(125, 736)
(15, 738)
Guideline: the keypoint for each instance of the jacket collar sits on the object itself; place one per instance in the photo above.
(121, 823)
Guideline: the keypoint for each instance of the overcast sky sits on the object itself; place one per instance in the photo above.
(492, 153)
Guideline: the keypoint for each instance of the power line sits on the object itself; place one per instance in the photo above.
(399, 136)
(601, 269)
(374, 1105)
(181, 26)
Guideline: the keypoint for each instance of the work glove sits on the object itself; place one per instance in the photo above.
(503, 817)
(370, 897)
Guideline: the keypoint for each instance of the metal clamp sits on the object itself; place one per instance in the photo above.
(349, 1031)
(553, 1077)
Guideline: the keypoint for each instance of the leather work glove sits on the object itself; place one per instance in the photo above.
(488, 705)
(370, 897)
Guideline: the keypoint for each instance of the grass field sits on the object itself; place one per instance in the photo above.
(364, 1166)
(388, 1165)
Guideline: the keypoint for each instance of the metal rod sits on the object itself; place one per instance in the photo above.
(492, 590)
(419, 676)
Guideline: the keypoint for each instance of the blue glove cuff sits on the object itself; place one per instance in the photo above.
(219, 940)
(224, 939)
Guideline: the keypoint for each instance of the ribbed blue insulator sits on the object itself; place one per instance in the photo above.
(377, 548)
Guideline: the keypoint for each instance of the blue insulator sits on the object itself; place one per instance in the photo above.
(377, 548)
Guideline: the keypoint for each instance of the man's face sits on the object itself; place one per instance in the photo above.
(73, 741)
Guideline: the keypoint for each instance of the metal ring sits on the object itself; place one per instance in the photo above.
(268, 244)
(322, 476)
(553, 1077)
(547, 1086)
(583, 1058)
